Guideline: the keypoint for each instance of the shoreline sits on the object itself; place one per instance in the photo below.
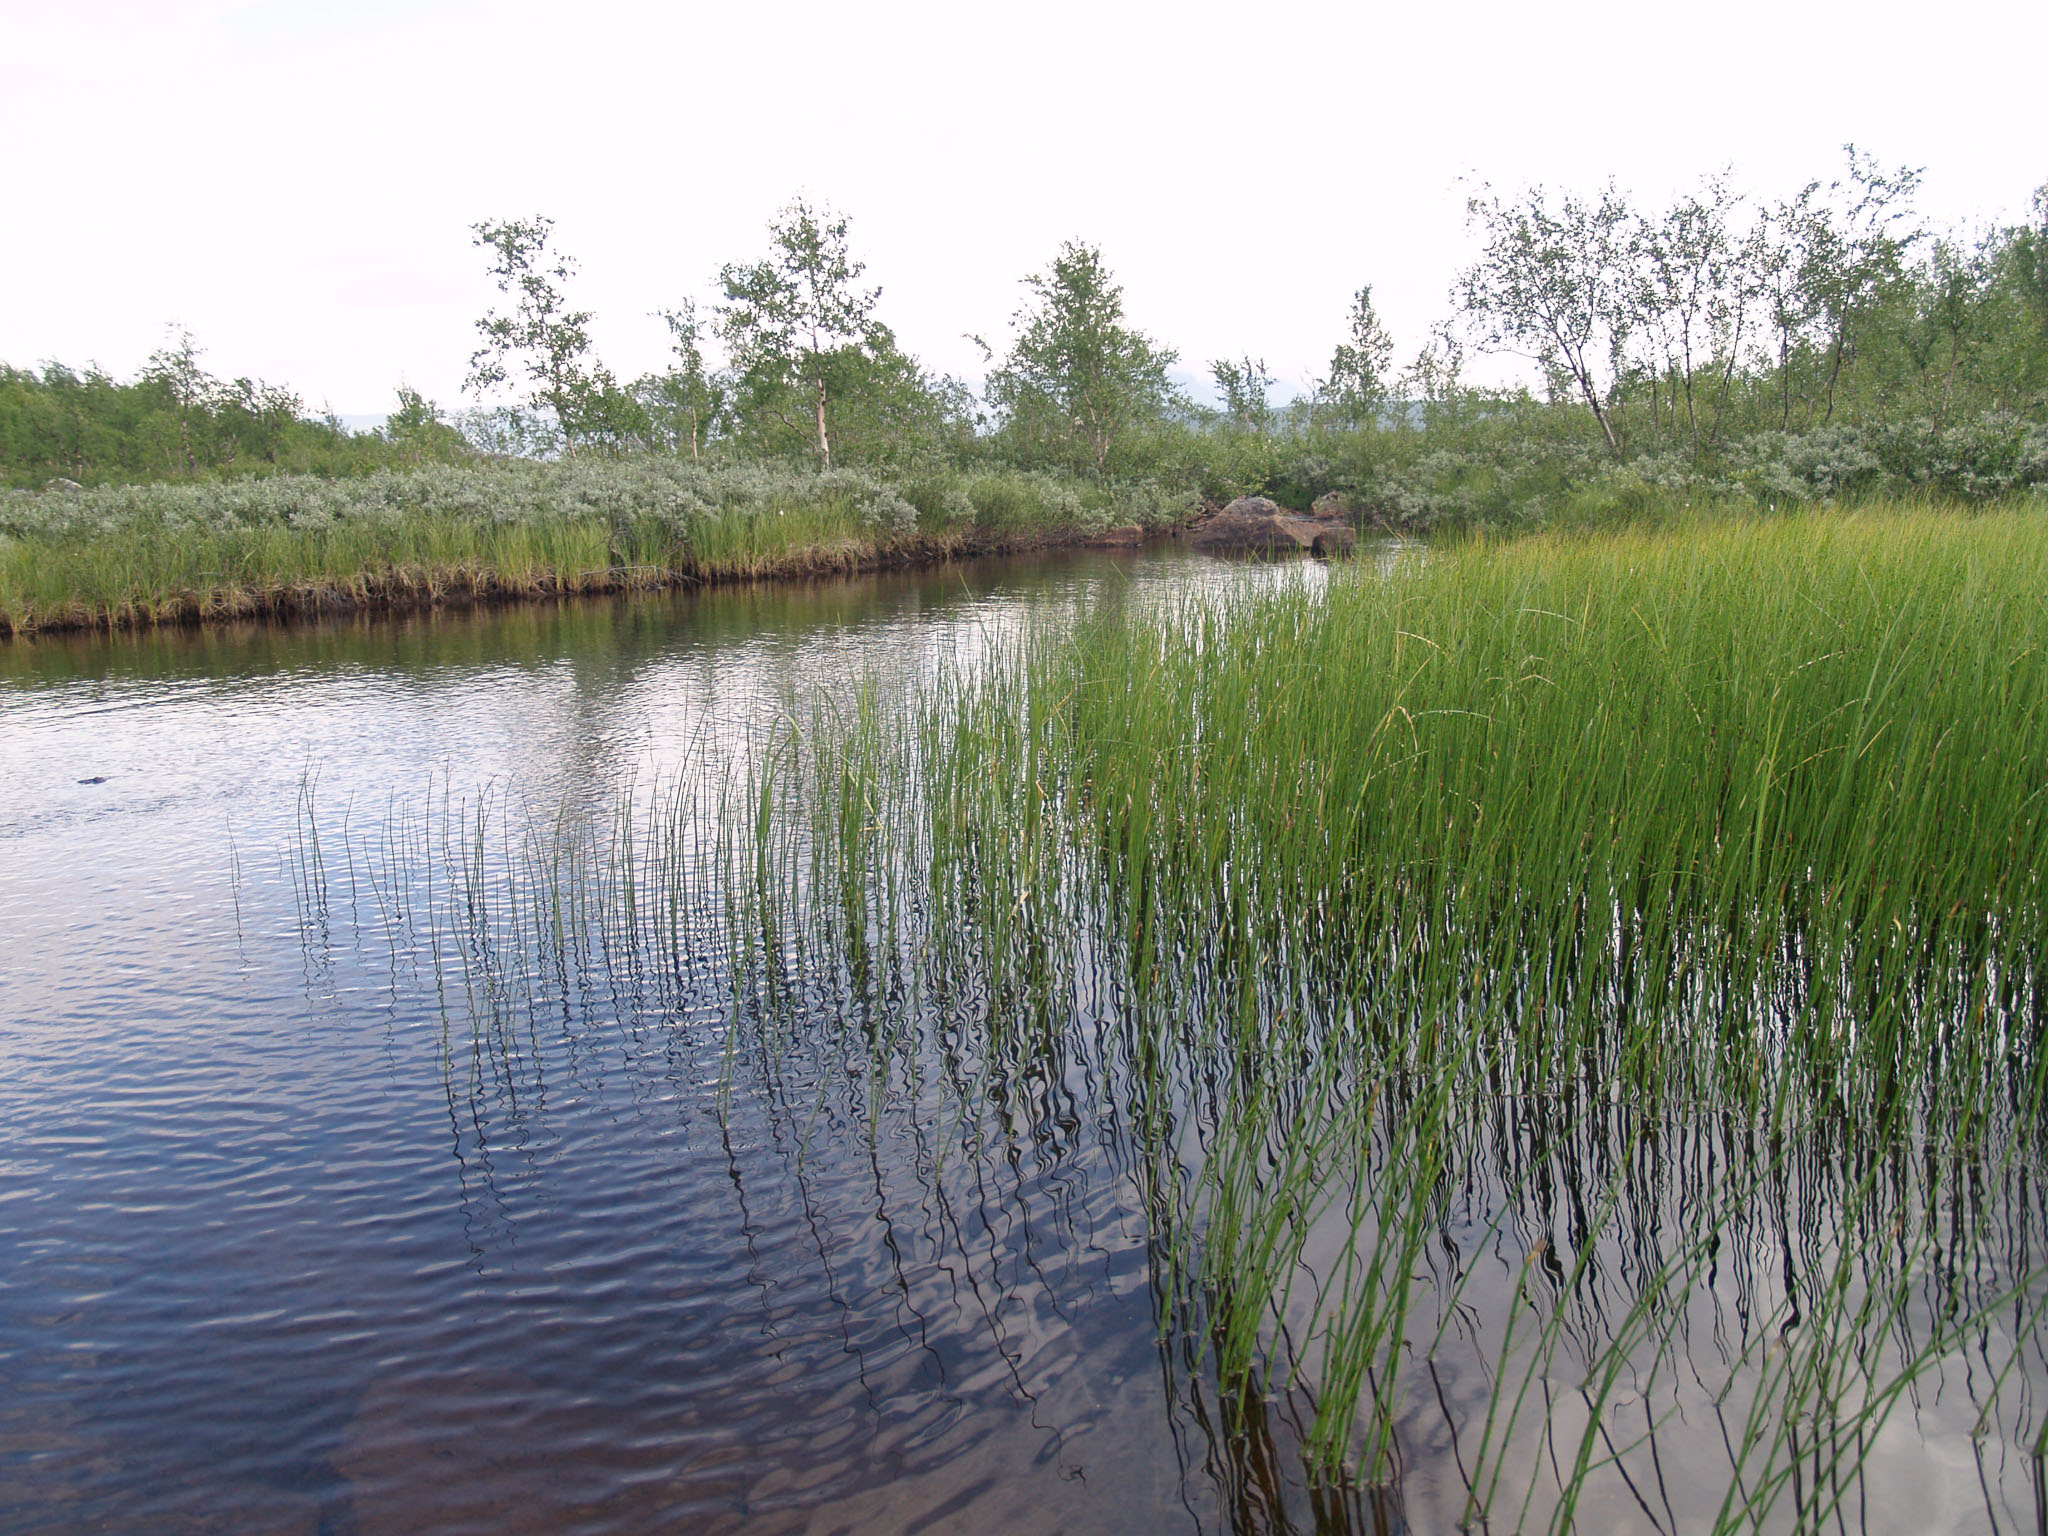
(477, 584)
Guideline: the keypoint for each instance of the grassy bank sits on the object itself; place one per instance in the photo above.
(1513, 463)
(177, 552)
(167, 553)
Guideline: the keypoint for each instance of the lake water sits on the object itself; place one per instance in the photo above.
(289, 1242)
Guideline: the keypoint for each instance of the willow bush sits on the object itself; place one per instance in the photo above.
(143, 553)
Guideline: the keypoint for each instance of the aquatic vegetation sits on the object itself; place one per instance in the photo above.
(1762, 773)
(1566, 1014)
(1740, 824)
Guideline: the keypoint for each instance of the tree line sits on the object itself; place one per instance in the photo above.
(1669, 331)
(1720, 313)
(176, 420)
(813, 371)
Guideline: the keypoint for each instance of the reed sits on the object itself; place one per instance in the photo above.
(1605, 969)
(1733, 818)
(1741, 812)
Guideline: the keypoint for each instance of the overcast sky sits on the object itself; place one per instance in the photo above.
(295, 181)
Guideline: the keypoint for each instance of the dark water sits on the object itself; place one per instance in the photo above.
(268, 1263)
(300, 1233)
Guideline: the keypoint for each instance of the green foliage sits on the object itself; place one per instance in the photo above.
(1551, 285)
(1850, 254)
(178, 422)
(1357, 387)
(811, 368)
(1245, 386)
(420, 432)
(544, 343)
(1716, 319)
(802, 332)
(1712, 353)
(1076, 378)
(168, 551)
(1717, 350)
(683, 404)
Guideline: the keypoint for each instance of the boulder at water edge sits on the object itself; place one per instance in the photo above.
(1254, 525)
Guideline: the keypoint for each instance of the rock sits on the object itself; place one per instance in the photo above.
(1335, 539)
(1255, 525)
(59, 483)
(1357, 511)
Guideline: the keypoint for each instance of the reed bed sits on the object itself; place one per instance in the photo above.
(1738, 823)
(1742, 812)
(1575, 1001)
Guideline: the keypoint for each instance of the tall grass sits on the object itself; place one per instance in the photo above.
(1577, 1000)
(1731, 824)
(1742, 812)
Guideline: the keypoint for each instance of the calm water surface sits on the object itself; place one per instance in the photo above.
(266, 1263)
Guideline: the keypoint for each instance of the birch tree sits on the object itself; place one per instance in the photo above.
(542, 340)
(1691, 294)
(1853, 246)
(1075, 371)
(1553, 284)
(795, 320)
(174, 367)
(1246, 388)
(1357, 385)
(684, 400)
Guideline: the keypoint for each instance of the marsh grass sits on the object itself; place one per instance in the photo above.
(1738, 819)
(1770, 794)
(1596, 977)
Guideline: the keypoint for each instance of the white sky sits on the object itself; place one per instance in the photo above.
(294, 181)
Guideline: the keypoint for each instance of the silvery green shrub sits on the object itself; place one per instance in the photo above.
(672, 495)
